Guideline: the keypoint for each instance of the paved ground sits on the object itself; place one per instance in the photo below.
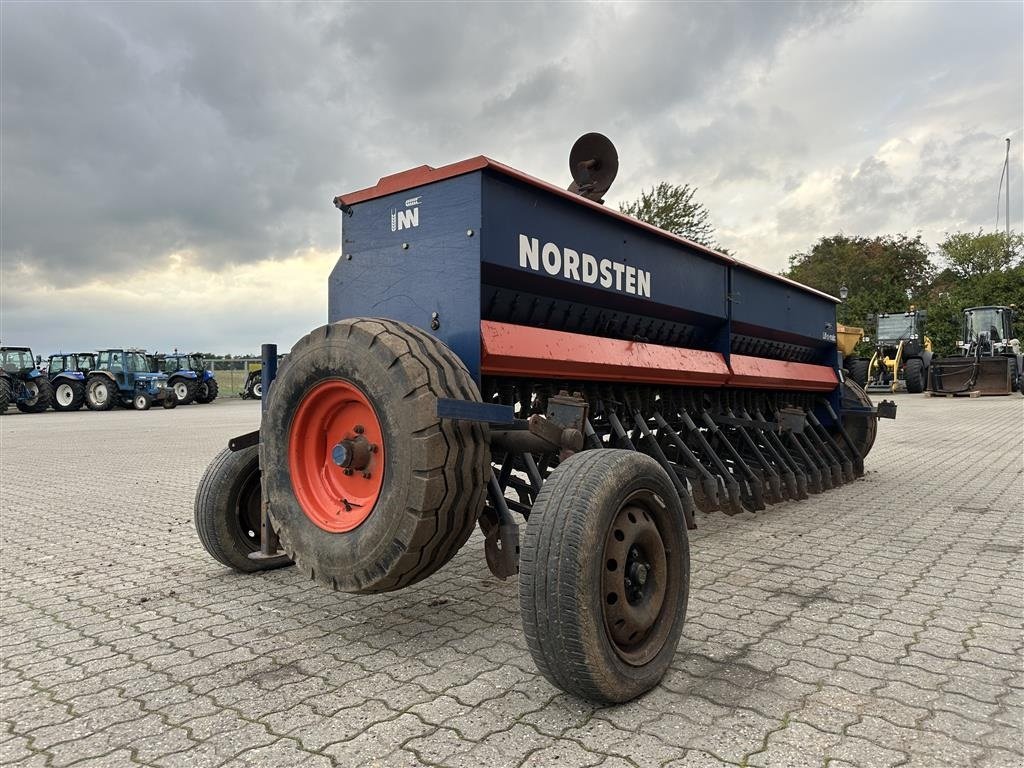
(876, 625)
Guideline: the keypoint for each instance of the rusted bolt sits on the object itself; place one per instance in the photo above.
(366, 475)
(373, 447)
(348, 471)
(359, 429)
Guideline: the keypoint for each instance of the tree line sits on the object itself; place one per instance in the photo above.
(882, 274)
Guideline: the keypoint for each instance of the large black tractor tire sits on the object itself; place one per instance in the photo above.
(861, 429)
(169, 401)
(1014, 375)
(184, 390)
(425, 480)
(227, 510)
(207, 391)
(40, 393)
(605, 575)
(858, 368)
(101, 393)
(913, 373)
(68, 395)
(6, 393)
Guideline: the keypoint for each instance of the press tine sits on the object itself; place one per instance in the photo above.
(659, 455)
(735, 505)
(707, 481)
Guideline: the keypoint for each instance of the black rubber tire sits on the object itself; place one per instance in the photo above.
(207, 391)
(913, 374)
(75, 388)
(227, 515)
(91, 390)
(858, 368)
(257, 390)
(184, 390)
(435, 477)
(1014, 377)
(169, 401)
(561, 570)
(861, 429)
(6, 394)
(142, 401)
(42, 400)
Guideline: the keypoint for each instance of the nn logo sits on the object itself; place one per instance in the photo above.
(408, 217)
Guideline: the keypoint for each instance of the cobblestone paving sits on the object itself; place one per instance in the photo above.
(879, 624)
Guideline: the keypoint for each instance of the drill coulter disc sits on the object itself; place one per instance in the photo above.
(368, 489)
(861, 430)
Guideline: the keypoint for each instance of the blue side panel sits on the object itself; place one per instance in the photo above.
(637, 271)
(408, 256)
(772, 309)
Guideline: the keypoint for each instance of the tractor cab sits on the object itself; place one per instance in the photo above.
(902, 353)
(21, 381)
(989, 329)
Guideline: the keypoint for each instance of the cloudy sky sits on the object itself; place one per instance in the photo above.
(168, 168)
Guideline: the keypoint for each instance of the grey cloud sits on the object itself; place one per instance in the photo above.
(133, 131)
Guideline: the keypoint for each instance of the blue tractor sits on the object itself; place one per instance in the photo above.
(122, 377)
(67, 373)
(188, 377)
(21, 381)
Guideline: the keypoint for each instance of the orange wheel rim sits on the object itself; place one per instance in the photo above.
(336, 456)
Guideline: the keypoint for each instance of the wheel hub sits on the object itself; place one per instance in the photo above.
(634, 583)
(336, 456)
(65, 394)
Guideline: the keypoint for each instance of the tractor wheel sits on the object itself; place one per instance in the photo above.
(858, 368)
(913, 373)
(142, 401)
(101, 393)
(68, 395)
(861, 429)
(257, 390)
(207, 391)
(169, 401)
(227, 510)
(40, 395)
(5, 393)
(605, 575)
(1014, 383)
(184, 389)
(369, 490)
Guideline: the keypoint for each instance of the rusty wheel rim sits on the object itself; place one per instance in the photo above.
(635, 584)
(336, 455)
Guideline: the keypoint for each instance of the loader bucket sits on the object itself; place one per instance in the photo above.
(969, 375)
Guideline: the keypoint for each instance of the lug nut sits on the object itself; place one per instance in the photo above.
(358, 429)
(366, 475)
(373, 448)
(348, 471)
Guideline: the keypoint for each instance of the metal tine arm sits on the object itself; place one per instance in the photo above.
(782, 455)
(843, 459)
(755, 498)
(709, 484)
(658, 455)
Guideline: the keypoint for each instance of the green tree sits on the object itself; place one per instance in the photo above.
(672, 207)
(971, 255)
(887, 273)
